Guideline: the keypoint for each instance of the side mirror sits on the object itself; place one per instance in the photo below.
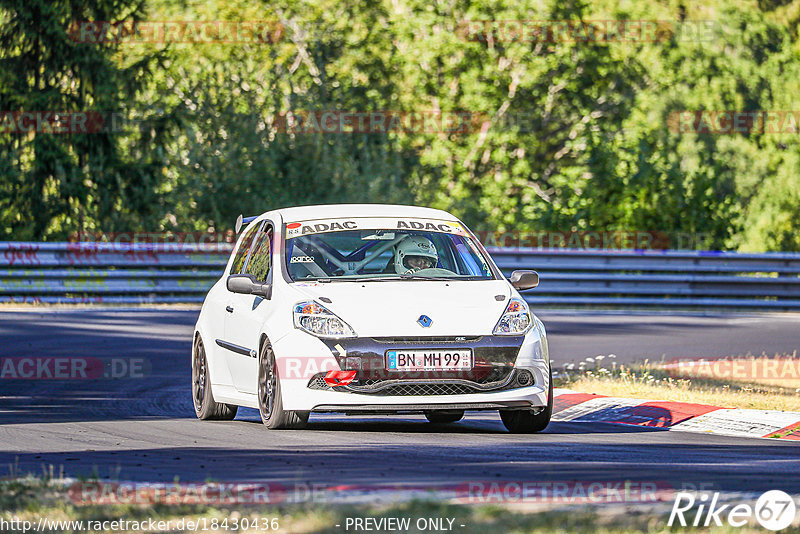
(522, 280)
(247, 284)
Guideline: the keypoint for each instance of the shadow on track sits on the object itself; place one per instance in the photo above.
(162, 341)
(546, 458)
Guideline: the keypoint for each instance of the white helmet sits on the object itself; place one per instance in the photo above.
(413, 246)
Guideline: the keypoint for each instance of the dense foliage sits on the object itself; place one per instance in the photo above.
(567, 135)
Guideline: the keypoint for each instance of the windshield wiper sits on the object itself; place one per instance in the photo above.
(423, 277)
(393, 278)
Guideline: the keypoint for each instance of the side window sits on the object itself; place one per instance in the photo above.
(241, 253)
(261, 258)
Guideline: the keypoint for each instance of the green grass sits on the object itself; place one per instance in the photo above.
(31, 498)
(654, 381)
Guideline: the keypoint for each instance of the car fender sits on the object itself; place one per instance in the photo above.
(211, 327)
(298, 355)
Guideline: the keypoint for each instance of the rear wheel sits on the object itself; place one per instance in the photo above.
(444, 416)
(205, 407)
(270, 402)
(529, 421)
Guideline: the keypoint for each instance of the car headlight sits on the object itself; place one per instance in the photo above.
(516, 319)
(319, 321)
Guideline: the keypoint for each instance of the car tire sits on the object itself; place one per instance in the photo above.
(528, 421)
(205, 407)
(444, 416)
(270, 401)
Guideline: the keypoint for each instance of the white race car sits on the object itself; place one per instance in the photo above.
(368, 309)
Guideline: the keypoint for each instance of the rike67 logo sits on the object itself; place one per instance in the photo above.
(774, 510)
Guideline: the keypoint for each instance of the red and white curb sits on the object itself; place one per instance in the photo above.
(571, 405)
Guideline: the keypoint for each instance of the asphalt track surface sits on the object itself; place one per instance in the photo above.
(144, 429)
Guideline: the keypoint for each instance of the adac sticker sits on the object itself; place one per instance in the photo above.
(300, 228)
(318, 227)
(447, 227)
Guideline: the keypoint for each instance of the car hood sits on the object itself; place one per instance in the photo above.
(391, 309)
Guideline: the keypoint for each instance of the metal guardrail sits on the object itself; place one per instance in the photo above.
(664, 278)
(111, 273)
(165, 273)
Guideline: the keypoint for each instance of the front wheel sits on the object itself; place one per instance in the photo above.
(528, 421)
(270, 402)
(205, 407)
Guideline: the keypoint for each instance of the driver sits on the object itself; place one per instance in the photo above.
(414, 253)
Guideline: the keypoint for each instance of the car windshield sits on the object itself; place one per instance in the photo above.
(374, 250)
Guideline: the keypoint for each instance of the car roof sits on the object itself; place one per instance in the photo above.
(332, 211)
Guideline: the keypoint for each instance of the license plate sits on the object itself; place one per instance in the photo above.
(428, 360)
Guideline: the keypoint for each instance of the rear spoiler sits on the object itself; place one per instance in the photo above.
(241, 221)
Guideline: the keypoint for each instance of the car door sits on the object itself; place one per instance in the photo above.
(245, 314)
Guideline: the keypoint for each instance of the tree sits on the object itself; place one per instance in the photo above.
(233, 158)
(57, 184)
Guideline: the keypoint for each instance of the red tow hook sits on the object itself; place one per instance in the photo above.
(339, 378)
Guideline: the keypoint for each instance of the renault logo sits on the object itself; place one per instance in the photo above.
(424, 321)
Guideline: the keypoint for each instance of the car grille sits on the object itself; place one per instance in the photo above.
(493, 368)
(318, 382)
(427, 339)
(424, 389)
(482, 376)
(382, 388)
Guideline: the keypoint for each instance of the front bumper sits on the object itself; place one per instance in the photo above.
(492, 383)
